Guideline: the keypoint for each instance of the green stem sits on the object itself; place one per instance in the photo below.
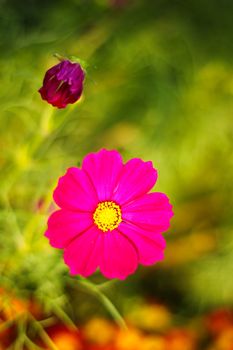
(44, 336)
(31, 345)
(93, 289)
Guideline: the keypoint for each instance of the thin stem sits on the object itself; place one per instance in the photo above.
(44, 336)
(32, 345)
(63, 316)
(20, 341)
(93, 289)
(47, 322)
(7, 324)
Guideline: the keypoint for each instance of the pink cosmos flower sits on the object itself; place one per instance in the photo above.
(108, 220)
(63, 84)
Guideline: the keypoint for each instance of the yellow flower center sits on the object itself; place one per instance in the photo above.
(107, 216)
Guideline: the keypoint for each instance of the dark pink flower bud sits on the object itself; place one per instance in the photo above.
(63, 84)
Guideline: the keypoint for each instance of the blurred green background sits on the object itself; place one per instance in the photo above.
(159, 86)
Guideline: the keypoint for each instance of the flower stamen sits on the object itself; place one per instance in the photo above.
(107, 216)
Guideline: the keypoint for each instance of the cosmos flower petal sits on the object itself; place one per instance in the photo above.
(103, 168)
(119, 257)
(53, 85)
(60, 96)
(75, 191)
(82, 255)
(61, 235)
(150, 212)
(150, 247)
(150, 201)
(51, 72)
(70, 72)
(136, 179)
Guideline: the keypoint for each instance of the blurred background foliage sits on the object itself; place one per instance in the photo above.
(159, 86)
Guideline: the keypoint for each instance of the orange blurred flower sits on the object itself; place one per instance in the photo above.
(180, 339)
(65, 338)
(219, 320)
(12, 307)
(100, 332)
(150, 317)
(131, 339)
(225, 340)
(154, 343)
